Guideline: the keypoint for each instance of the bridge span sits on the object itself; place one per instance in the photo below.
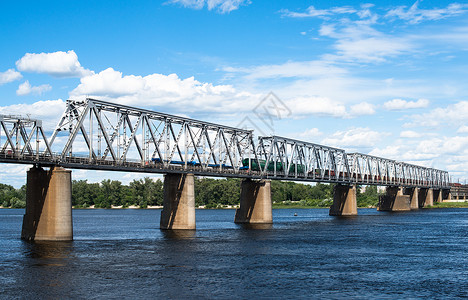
(94, 134)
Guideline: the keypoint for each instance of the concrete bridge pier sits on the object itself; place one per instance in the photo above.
(437, 195)
(426, 197)
(179, 202)
(414, 194)
(446, 195)
(394, 200)
(344, 201)
(48, 215)
(255, 203)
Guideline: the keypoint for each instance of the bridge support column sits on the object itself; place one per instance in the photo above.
(446, 195)
(344, 201)
(414, 194)
(426, 197)
(179, 202)
(255, 203)
(394, 200)
(437, 195)
(48, 215)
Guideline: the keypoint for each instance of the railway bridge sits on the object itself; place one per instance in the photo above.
(99, 135)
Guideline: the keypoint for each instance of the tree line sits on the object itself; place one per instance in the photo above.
(211, 193)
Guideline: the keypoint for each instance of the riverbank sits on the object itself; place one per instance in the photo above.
(450, 205)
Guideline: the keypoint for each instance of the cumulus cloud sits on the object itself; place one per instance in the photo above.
(454, 114)
(355, 138)
(172, 92)
(164, 90)
(57, 64)
(362, 109)
(320, 106)
(309, 135)
(9, 76)
(222, 6)
(49, 111)
(25, 88)
(409, 134)
(399, 104)
(462, 129)
(14, 174)
(415, 15)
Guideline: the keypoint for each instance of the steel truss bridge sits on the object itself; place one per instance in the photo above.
(94, 134)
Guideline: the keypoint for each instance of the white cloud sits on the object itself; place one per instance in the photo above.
(371, 49)
(305, 106)
(25, 88)
(222, 6)
(399, 104)
(309, 135)
(415, 15)
(355, 138)
(170, 91)
(463, 129)
(454, 114)
(362, 109)
(289, 69)
(312, 12)
(13, 174)
(48, 111)
(409, 134)
(399, 153)
(57, 64)
(9, 76)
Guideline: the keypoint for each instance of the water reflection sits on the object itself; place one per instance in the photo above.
(179, 234)
(47, 269)
(256, 226)
(47, 249)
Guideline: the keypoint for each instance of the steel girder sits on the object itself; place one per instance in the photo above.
(368, 169)
(104, 131)
(97, 134)
(292, 159)
(21, 136)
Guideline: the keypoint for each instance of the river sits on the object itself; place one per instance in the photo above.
(123, 254)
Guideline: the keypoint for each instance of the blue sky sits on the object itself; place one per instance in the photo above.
(383, 78)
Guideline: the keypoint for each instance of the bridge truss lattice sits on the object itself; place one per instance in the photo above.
(94, 134)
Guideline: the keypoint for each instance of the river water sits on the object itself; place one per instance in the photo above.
(123, 254)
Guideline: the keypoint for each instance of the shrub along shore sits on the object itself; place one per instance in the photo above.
(209, 193)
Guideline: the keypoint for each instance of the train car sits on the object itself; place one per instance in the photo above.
(257, 164)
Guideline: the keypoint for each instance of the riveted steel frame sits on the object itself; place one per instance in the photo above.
(94, 134)
(292, 159)
(106, 131)
(21, 136)
(368, 169)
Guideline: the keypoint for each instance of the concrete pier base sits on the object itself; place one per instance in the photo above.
(394, 200)
(48, 214)
(255, 203)
(414, 194)
(344, 201)
(437, 195)
(446, 195)
(426, 197)
(179, 202)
